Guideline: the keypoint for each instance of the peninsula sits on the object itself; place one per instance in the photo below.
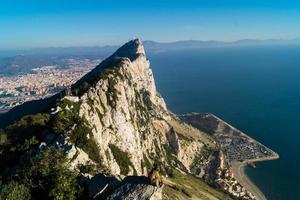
(239, 149)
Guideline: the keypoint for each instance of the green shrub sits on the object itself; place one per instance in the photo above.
(91, 148)
(28, 143)
(83, 88)
(63, 121)
(88, 168)
(78, 136)
(3, 138)
(14, 191)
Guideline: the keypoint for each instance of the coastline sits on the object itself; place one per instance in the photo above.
(241, 149)
(4, 110)
(238, 169)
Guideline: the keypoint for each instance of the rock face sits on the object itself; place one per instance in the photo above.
(129, 121)
(100, 186)
(137, 192)
(125, 112)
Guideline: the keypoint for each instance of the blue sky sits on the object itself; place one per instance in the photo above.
(44, 23)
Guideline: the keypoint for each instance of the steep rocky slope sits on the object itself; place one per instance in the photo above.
(129, 119)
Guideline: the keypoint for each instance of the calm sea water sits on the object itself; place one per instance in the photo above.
(256, 89)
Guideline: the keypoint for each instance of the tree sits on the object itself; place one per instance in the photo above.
(50, 177)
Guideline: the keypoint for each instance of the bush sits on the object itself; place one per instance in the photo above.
(28, 143)
(92, 150)
(63, 121)
(14, 191)
(3, 138)
(81, 89)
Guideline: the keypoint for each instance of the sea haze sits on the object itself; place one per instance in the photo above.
(256, 89)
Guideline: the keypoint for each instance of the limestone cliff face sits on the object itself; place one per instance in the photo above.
(128, 117)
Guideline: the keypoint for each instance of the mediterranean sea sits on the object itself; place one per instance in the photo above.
(254, 88)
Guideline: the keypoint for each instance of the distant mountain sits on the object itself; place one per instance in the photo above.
(22, 61)
(58, 51)
(150, 45)
(186, 44)
(105, 51)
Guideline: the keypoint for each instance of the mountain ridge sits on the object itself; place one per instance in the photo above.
(149, 44)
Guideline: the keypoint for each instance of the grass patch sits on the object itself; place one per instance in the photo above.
(189, 133)
(181, 186)
(182, 190)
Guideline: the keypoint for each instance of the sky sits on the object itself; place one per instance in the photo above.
(58, 23)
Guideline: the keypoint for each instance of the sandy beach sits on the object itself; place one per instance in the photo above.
(238, 169)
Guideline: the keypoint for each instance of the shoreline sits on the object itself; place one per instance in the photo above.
(238, 169)
(4, 110)
(216, 127)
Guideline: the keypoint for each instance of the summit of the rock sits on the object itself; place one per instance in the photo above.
(131, 49)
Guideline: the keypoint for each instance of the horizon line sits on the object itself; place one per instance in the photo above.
(156, 41)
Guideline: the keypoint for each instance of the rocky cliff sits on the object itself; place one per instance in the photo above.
(129, 119)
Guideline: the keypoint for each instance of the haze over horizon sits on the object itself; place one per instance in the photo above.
(36, 24)
(162, 43)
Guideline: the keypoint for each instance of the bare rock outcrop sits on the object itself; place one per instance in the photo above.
(137, 192)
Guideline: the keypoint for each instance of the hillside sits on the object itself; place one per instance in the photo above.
(102, 137)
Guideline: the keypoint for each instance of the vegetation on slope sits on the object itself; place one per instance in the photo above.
(20, 136)
(92, 78)
(43, 176)
(68, 122)
(14, 191)
(186, 131)
(182, 187)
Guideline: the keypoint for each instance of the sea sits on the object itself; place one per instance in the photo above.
(254, 88)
